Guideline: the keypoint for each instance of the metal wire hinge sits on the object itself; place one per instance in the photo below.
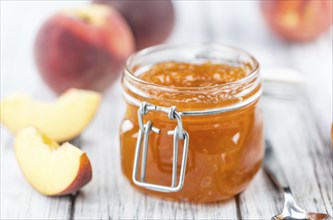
(143, 136)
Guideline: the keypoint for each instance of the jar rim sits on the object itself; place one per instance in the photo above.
(129, 73)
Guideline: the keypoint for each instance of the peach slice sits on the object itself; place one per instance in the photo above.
(61, 120)
(50, 168)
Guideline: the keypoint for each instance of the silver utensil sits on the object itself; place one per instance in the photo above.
(291, 210)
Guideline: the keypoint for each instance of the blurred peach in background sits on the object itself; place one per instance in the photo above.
(300, 20)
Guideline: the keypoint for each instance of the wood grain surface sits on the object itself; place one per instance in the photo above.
(298, 124)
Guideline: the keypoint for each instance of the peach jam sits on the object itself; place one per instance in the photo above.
(192, 130)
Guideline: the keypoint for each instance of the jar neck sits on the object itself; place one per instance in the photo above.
(236, 95)
(230, 95)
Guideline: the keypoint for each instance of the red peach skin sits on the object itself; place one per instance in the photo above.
(84, 50)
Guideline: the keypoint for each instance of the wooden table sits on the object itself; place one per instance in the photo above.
(298, 126)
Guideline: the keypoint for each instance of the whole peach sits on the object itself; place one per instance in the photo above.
(150, 21)
(298, 20)
(83, 48)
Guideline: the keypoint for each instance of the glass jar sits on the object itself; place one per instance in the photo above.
(196, 144)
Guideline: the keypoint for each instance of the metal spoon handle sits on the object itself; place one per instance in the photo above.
(273, 168)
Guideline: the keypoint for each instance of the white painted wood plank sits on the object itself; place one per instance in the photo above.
(314, 61)
(260, 200)
(306, 161)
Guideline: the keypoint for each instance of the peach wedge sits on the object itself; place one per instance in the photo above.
(61, 120)
(50, 168)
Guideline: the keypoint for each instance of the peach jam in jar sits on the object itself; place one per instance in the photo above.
(192, 130)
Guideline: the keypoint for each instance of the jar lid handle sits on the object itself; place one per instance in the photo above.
(143, 136)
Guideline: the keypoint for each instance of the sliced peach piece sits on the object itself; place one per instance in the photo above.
(50, 168)
(61, 120)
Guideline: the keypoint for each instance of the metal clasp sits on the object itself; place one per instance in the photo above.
(144, 131)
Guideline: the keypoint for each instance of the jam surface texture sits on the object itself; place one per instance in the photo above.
(179, 74)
